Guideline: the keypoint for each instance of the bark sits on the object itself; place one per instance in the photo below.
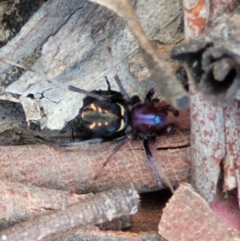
(75, 168)
(194, 221)
(214, 142)
(20, 202)
(99, 208)
(137, 65)
(214, 127)
(50, 17)
(170, 88)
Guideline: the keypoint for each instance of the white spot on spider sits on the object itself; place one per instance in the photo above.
(194, 64)
(92, 125)
(169, 129)
(134, 209)
(92, 106)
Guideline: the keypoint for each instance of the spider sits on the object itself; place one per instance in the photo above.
(110, 115)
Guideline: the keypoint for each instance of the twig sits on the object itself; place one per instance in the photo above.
(102, 207)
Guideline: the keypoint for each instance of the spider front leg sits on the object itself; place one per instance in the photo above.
(108, 84)
(129, 136)
(91, 94)
(150, 94)
(114, 151)
(164, 107)
(162, 178)
(173, 110)
(117, 79)
(148, 98)
(135, 100)
(122, 90)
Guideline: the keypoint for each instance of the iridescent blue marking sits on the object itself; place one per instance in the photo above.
(110, 129)
(151, 119)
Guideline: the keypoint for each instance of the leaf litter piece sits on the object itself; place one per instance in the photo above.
(54, 16)
(101, 207)
(213, 59)
(19, 202)
(138, 66)
(170, 88)
(188, 217)
(214, 128)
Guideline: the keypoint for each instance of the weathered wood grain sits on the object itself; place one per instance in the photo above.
(188, 217)
(75, 168)
(96, 209)
(76, 54)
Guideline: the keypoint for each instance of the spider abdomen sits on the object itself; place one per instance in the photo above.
(104, 118)
(145, 118)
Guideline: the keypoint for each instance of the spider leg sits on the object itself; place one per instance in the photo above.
(162, 178)
(108, 84)
(114, 151)
(91, 94)
(83, 143)
(160, 105)
(164, 106)
(118, 81)
(122, 90)
(175, 112)
(170, 108)
(135, 99)
(149, 95)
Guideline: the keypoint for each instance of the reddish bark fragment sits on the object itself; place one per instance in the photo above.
(198, 13)
(19, 202)
(221, 6)
(232, 158)
(94, 235)
(75, 168)
(195, 17)
(97, 209)
(22, 202)
(187, 217)
(207, 150)
(207, 130)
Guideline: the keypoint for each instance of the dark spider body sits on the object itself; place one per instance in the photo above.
(110, 119)
(105, 119)
(111, 115)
